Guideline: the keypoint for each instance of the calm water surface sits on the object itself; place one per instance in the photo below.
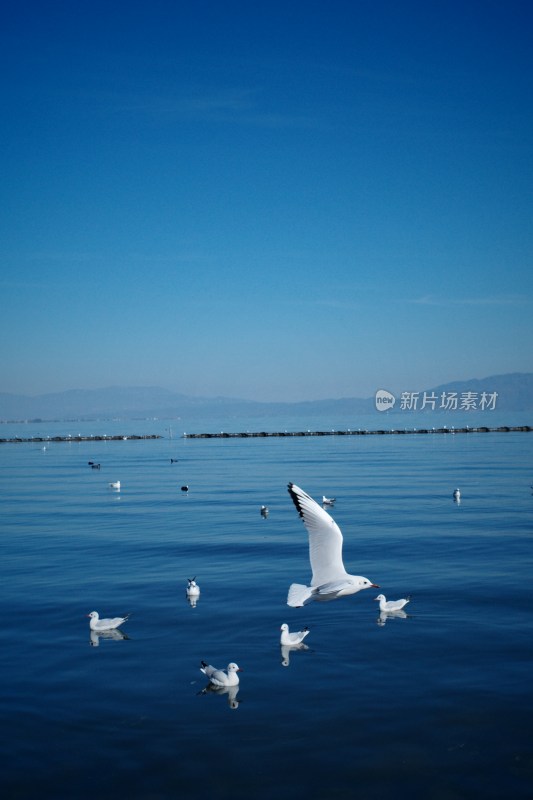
(436, 705)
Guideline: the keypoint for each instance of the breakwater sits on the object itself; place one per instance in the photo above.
(358, 432)
(78, 438)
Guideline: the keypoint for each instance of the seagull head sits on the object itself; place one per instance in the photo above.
(364, 583)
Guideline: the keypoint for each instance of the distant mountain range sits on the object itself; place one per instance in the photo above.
(515, 393)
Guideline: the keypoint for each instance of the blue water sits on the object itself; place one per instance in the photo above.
(436, 705)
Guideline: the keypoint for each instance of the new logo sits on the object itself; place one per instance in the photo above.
(384, 400)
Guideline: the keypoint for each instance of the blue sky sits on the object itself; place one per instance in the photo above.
(279, 201)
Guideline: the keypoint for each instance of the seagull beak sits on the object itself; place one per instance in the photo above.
(376, 586)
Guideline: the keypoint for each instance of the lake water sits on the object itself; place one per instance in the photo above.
(435, 705)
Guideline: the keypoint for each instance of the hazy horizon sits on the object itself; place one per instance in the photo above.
(160, 388)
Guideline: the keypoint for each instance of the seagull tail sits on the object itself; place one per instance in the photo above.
(298, 595)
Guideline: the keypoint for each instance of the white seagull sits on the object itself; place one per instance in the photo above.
(328, 501)
(193, 590)
(219, 677)
(390, 606)
(97, 624)
(457, 495)
(115, 485)
(292, 638)
(330, 579)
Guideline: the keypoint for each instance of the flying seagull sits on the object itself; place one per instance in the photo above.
(329, 579)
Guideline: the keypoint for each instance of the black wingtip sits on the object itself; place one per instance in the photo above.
(295, 499)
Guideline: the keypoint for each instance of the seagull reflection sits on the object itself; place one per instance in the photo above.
(115, 634)
(385, 615)
(230, 691)
(287, 649)
(193, 600)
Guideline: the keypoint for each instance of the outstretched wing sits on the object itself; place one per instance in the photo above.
(325, 538)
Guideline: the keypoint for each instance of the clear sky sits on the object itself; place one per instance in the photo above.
(274, 201)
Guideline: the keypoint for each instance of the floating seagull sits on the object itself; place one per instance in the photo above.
(219, 677)
(457, 495)
(264, 511)
(193, 590)
(115, 485)
(328, 501)
(94, 466)
(184, 488)
(97, 624)
(292, 638)
(330, 579)
(391, 605)
(173, 460)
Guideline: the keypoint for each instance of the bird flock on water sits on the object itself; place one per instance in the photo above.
(329, 581)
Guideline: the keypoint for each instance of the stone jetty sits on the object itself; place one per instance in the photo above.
(358, 432)
(78, 438)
